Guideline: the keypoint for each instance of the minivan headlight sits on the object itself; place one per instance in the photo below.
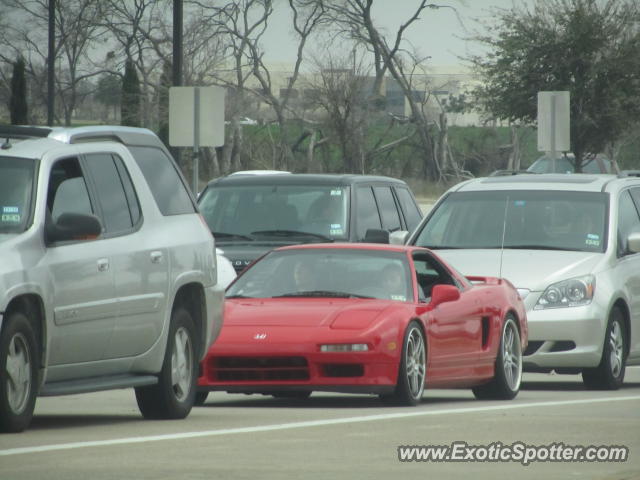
(574, 292)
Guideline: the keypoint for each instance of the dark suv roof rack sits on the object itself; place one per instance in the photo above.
(629, 173)
(21, 131)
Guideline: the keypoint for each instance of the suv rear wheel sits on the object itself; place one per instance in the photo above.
(174, 395)
(18, 373)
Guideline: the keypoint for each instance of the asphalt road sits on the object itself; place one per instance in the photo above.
(102, 435)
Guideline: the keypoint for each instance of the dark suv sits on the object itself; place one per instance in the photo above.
(251, 214)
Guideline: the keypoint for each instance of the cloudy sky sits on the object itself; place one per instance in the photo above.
(440, 33)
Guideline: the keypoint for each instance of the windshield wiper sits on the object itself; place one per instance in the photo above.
(291, 233)
(322, 293)
(232, 235)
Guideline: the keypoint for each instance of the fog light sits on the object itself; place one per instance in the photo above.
(345, 347)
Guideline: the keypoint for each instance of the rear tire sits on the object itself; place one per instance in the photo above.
(174, 394)
(508, 372)
(413, 369)
(609, 374)
(18, 373)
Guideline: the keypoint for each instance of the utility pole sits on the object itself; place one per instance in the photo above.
(51, 61)
(177, 60)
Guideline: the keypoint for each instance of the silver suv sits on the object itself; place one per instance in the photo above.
(107, 271)
(570, 244)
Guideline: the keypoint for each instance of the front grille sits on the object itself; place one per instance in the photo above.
(239, 268)
(261, 369)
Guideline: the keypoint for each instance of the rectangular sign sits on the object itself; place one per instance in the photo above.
(554, 122)
(196, 107)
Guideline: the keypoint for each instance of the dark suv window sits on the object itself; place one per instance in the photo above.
(367, 213)
(163, 179)
(388, 209)
(411, 211)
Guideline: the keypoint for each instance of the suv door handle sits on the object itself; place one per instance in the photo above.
(103, 265)
(156, 257)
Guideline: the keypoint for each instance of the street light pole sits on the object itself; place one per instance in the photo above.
(51, 60)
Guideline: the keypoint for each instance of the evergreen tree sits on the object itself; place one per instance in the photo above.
(18, 101)
(130, 107)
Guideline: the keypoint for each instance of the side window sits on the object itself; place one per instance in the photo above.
(635, 194)
(67, 190)
(166, 185)
(367, 212)
(111, 194)
(129, 190)
(412, 213)
(430, 273)
(628, 221)
(388, 209)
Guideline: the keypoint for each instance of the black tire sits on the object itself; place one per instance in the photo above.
(609, 374)
(291, 395)
(508, 372)
(412, 371)
(174, 394)
(18, 373)
(200, 398)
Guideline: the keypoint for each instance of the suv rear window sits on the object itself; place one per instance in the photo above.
(163, 179)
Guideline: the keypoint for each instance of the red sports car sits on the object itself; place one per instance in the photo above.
(365, 318)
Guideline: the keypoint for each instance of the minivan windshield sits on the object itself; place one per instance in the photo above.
(265, 212)
(16, 186)
(539, 220)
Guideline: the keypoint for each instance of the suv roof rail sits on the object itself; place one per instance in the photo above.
(504, 173)
(23, 131)
(629, 173)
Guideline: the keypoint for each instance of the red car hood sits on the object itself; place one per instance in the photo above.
(303, 312)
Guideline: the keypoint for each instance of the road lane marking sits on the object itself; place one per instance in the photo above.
(307, 424)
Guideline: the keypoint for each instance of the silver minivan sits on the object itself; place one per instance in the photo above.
(570, 245)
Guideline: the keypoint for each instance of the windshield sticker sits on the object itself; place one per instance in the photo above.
(519, 203)
(400, 298)
(335, 225)
(336, 231)
(592, 240)
(336, 192)
(10, 210)
(11, 217)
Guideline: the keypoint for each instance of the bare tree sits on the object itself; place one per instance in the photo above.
(78, 29)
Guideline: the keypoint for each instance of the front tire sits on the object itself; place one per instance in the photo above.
(413, 369)
(19, 373)
(609, 374)
(174, 395)
(508, 372)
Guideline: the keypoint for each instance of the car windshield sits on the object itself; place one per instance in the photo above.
(16, 187)
(328, 273)
(544, 220)
(262, 212)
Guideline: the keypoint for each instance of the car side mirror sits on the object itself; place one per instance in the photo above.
(399, 237)
(633, 242)
(444, 293)
(375, 235)
(73, 226)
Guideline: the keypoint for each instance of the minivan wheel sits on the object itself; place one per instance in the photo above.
(609, 374)
(174, 394)
(18, 373)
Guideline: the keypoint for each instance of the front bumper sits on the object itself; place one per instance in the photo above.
(571, 337)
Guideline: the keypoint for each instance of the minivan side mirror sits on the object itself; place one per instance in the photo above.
(444, 293)
(633, 242)
(399, 237)
(73, 226)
